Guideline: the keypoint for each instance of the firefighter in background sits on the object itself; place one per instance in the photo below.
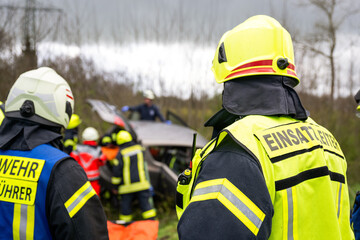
(130, 178)
(147, 110)
(89, 156)
(44, 192)
(270, 172)
(71, 133)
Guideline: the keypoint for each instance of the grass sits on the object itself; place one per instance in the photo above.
(167, 226)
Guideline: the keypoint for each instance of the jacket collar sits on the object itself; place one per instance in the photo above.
(23, 135)
(257, 95)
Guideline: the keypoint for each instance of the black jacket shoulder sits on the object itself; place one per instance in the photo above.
(89, 222)
(228, 161)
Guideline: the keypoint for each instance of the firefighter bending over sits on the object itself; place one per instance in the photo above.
(130, 178)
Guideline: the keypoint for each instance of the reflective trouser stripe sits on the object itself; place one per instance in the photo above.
(339, 199)
(233, 199)
(23, 223)
(290, 214)
(78, 200)
(149, 214)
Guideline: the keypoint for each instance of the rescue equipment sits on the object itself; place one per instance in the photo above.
(138, 230)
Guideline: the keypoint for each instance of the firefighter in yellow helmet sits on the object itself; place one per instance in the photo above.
(44, 193)
(270, 172)
(71, 133)
(130, 178)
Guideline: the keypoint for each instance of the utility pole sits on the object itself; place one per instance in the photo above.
(29, 31)
(29, 35)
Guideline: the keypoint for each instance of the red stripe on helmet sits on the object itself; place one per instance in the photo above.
(291, 66)
(291, 73)
(260, 63)
(70, 97)
(254, 64)
(250, 71)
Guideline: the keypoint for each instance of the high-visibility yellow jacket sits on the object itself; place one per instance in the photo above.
(304, 171)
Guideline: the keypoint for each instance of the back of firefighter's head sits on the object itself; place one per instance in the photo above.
(90, 134)
(123, 137)
(258, 46)
(41, 96)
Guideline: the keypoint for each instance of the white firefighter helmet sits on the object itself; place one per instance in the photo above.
(41, 96)
(90, 134)
(149, 94)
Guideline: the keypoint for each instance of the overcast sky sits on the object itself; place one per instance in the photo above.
(169, 20)
(165, 41)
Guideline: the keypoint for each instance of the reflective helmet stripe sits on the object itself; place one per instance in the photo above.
(262, 66)
(251, 70)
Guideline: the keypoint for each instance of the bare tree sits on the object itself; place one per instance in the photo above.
(326, 31)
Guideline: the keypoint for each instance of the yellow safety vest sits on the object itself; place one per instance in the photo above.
(304, 170)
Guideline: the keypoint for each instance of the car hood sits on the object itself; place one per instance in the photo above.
(161, 134)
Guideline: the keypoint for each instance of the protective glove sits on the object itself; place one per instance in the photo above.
(168, 122)
(125, 108)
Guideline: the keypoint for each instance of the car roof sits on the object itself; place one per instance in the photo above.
(152, 133)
